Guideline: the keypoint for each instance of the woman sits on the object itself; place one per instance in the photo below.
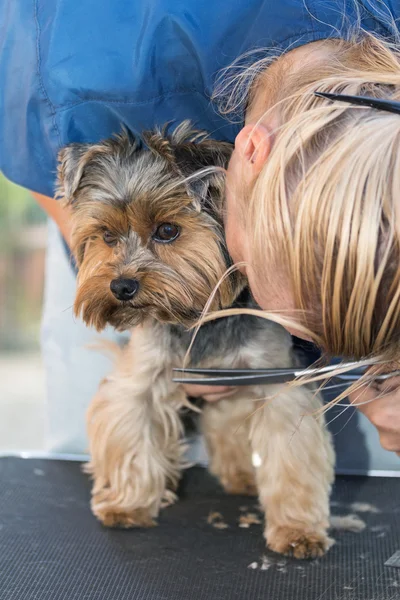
(312, 206)
(74, 71)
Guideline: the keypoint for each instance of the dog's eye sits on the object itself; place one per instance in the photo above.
(166, 232)
(109, 238)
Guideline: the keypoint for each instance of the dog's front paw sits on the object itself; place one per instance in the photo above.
(299, 544)
(117, 517)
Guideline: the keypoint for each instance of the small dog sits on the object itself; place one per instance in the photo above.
(148, 240)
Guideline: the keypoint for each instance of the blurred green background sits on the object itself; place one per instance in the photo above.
(22, 257)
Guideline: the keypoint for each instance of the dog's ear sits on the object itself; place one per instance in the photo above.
(71, 163)
(195, 152)
(197, 162)
(159, 143)
(73, 159)
(189, 151)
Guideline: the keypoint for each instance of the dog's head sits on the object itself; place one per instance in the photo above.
(147, 226)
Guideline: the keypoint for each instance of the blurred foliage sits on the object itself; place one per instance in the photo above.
(17, 209)
(21, 267)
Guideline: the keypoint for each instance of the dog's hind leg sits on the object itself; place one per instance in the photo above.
(225, 426)
(135, 436)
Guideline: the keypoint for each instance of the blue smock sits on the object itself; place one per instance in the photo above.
(75, 70)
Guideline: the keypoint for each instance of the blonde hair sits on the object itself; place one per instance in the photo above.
(327, 202)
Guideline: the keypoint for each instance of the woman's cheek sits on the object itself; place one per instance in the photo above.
(233, 237)
(258, 296)
(232, 244)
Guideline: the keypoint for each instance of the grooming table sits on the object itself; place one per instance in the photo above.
(52, 548)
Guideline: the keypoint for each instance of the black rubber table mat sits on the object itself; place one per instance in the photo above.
(52, 548)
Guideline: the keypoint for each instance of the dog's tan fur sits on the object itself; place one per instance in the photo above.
(134, 425)
(136, 444)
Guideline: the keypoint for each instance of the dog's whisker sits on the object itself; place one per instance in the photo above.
(68, 308)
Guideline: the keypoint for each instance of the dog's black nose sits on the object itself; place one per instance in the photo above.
(124, 289)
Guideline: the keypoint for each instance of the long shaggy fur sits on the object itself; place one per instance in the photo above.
(264, 440)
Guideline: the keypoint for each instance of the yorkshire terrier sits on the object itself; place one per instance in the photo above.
(149, 244)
